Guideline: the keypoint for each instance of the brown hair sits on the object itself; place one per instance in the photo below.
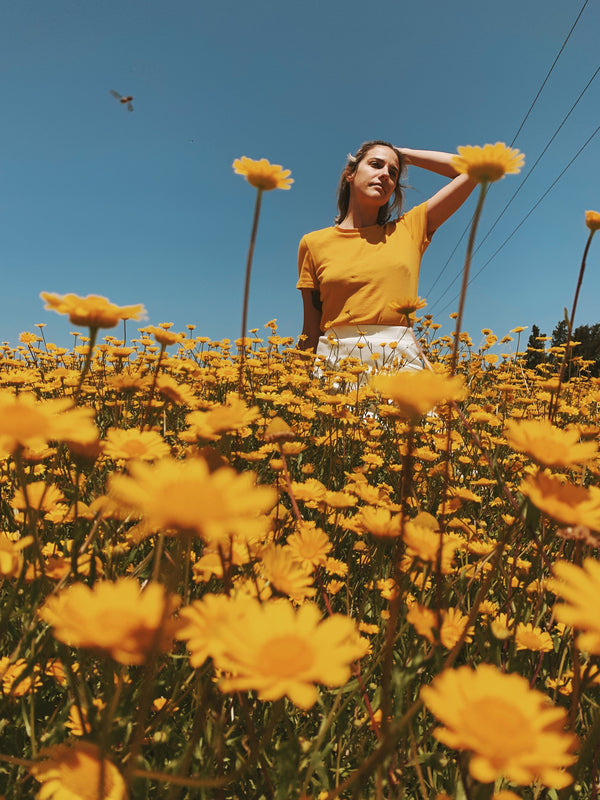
(394, 204)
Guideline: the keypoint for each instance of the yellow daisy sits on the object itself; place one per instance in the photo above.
(416, 393)
(73, 772)
(579, 587)
(408, 305)
(37, 495)
(213, 423)
(78, 723)
(186, 496)
(263, 175)
(203, 621)
(285, 574)
(114, 618)
(12, 682)
(311, 491)
(278, 651)
(407, 308)
(92, 311)
(174, 391)
(565, 502)
(131, 443)
(278, 431)
(547, 444)
(488, 163)
(378, 521)
(592, 220)
(165, 337)
(339, 499)
(425, 622)
(424, 544)
(454, 623)
(309, 545)
(27, 423)
(11, 558)
(511, 730)
(530, 637)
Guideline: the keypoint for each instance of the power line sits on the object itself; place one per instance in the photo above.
(539, 158)
(531, 210)
(443, 269)
(549, 73)
(535, 99)
(523, 182)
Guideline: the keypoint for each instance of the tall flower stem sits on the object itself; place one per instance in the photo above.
(88, 361)
(391, 630)
(448, 452)
(247, 287)
(554, 403)
(147, 410)
(288, 482)
(466, 268)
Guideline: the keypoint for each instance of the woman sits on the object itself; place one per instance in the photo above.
(350, 273)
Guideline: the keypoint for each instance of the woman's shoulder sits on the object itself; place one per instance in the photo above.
(415, 211)
(414, 222)
(320, 237)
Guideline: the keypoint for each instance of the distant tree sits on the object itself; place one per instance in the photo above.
(589, 348)
(535, 348)
(559, 334)
(559, 337)
(583, 356)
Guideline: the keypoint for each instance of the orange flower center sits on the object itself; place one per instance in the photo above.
(529, 639)
(498, 727)
(190, 503)
(310, 548)
(135, 448)
(285, 656)
(114, 626)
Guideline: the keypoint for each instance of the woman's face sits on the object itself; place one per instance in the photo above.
(376, 176)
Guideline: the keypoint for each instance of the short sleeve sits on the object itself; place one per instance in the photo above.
(306, 268)
(415, 221)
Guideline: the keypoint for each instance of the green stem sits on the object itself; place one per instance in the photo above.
(197, 724)
(466, 268)
(146, 414)
(247, 287)
(325, 726)
(87, 362)
(396, 601)
(586, 754)
(554, 402)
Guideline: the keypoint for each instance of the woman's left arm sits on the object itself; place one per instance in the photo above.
(451, 197)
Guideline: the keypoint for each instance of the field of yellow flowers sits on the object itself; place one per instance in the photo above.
(299, 590)
(226, 577)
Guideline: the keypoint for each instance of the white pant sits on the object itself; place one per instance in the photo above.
(396, 346)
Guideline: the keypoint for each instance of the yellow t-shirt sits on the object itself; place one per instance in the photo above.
(359, 272)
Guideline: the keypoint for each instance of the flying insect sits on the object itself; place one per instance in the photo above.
(123, 99)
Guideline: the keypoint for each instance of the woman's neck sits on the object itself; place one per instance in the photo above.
(359, 217)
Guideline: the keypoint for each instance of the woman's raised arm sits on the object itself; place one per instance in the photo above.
(451, 197)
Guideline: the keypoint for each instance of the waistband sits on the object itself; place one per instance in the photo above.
(390, 332)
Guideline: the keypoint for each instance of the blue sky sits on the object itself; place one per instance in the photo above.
(144, 207)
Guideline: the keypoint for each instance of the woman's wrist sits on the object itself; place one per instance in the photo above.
(431, 160)
(405, 153)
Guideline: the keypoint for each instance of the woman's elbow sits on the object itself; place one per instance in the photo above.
(309, 340)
